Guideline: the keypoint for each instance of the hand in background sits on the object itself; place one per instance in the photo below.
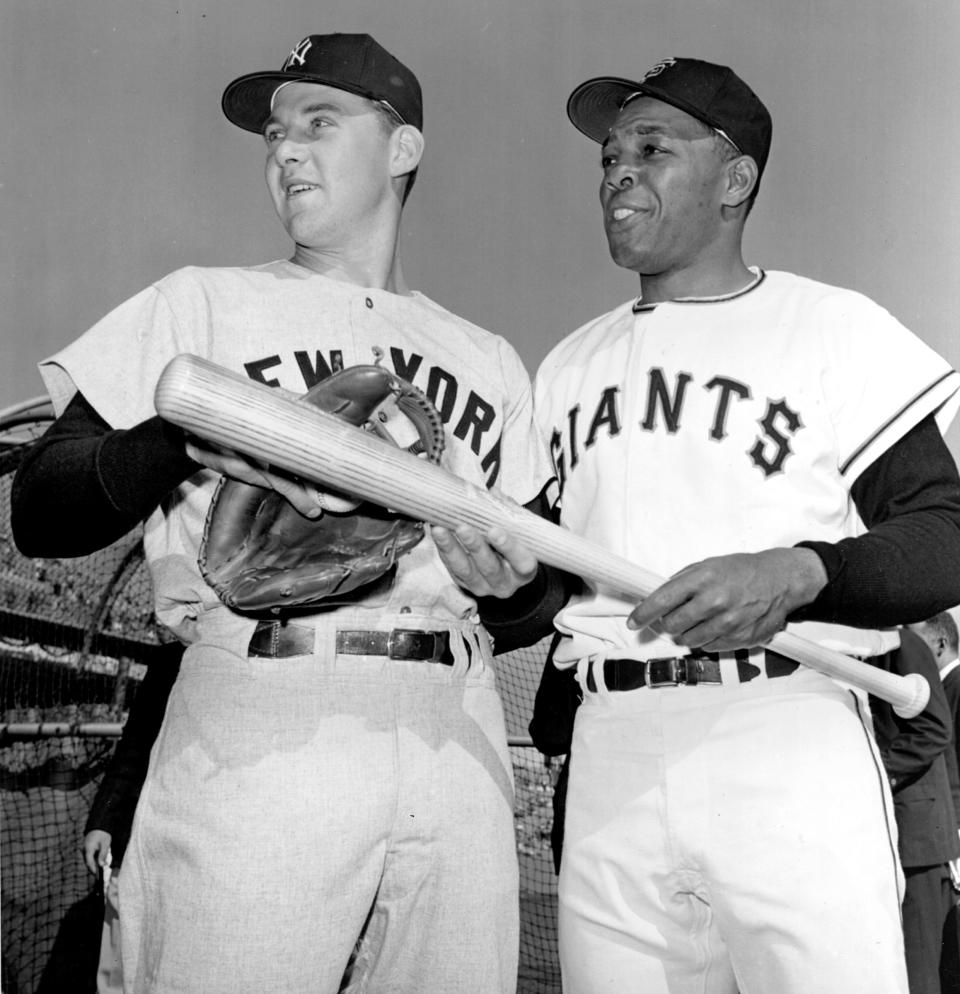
(96, 850)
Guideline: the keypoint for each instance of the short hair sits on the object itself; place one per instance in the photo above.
(943, 626)
(389, 121)
(725, 151)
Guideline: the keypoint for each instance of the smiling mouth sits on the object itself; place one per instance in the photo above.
(622, 213)
(299, 188)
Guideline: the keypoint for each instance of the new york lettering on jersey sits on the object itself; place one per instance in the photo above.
(470, 417)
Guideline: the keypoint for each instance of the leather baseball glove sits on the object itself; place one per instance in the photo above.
(261, 555)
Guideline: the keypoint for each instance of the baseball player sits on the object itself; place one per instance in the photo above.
(772, 445)
(337, 782)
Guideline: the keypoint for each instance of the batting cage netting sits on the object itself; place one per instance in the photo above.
(76, 638)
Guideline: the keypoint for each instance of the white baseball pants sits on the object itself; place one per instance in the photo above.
(729, 838)
(293, 805)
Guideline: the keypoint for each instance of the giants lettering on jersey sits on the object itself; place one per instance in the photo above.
(472, 417)
(663, 410)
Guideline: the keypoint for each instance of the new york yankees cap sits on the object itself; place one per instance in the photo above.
(712, 94)
(351, 62)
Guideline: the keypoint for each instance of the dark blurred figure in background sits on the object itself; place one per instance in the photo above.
(914, 752)
(940, 634)
(111, 815)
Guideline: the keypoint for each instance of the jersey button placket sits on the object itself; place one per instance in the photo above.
(363, 319)
(632, 402)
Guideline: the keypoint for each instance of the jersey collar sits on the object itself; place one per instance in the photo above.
(758, 277)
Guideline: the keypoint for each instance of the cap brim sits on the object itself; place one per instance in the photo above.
(246, 101)
(593, 106)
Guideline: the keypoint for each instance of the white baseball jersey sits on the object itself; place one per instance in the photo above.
(284, 325)
(731, 836)
(386, 780)
(703, 427)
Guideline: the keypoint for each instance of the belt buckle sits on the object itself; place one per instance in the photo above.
(676, 671)
(411, 636)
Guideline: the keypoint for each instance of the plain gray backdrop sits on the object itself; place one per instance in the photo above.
(117, 166)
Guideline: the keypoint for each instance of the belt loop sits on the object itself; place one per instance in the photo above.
(747, 669)
(325, 644)
(595, 678)
(463, 649)
(582, 667)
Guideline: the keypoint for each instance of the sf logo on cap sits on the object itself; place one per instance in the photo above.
(659, 67)
(299, 55)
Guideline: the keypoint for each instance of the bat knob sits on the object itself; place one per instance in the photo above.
(918, 691)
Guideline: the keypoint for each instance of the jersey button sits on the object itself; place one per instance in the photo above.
(369, 302)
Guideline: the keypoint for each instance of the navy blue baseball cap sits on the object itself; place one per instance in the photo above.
(712, 94)
(351, 62)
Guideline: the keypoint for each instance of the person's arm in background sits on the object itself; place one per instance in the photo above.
(908, 746)
(551, 729)
(555, 706)
(113, 807)
(953, 766)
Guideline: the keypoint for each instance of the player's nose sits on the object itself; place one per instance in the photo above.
(289, 150)
(622, 176)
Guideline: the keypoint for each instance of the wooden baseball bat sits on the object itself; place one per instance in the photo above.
(279, 428)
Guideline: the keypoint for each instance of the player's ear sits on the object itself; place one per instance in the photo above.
(741, 179)
(406, 149)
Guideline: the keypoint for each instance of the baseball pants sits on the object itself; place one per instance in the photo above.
(729, 838)
(303, 813)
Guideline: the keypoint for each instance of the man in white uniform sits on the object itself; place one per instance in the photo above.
(334, 788)
(771, 444)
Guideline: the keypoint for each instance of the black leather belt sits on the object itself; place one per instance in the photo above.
(675, 671)
(275, 640)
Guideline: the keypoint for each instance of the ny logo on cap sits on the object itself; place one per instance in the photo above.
(299, 55)
(659, 68)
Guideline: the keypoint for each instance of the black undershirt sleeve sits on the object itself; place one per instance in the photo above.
(84, 485)
(116, 799)
(906, 567)
(527, 616)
